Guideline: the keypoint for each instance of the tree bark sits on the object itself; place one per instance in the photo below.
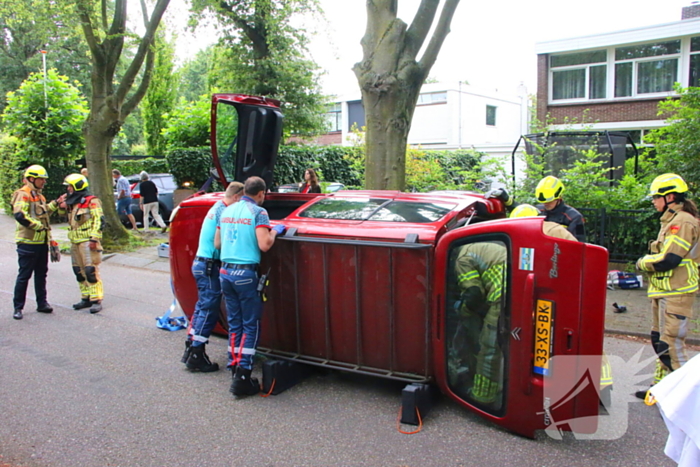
(390, 79)
(109, 105)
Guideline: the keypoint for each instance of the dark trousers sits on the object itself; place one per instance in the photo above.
(32, 259)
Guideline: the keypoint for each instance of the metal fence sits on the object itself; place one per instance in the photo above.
(624, 232)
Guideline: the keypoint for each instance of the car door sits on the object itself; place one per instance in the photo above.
(517, 316)
(246, 132)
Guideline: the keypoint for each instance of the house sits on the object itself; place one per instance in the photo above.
(447, 117)
(615, 81)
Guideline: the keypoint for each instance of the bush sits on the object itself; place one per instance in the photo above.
(10, 170)
(191, 165)
(149, 164)
(331, 163)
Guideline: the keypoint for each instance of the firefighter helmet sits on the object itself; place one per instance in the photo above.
(525, 210)
(36, 171)
(549, 189)
(667, 183)
(77, 181)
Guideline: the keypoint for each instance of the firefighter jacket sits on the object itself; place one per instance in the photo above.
(569, 217)
(482, 265)
(552, 229)
(85, 219)
(31, 211)
(670, 262)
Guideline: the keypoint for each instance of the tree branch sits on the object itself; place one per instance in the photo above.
(135, 99)
(114, 42)
(144, 47)
(420, 27)
(259, 41)
(441, 31)
(95, 48)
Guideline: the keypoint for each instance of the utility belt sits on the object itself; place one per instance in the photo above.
(211, 264)
(252, 267)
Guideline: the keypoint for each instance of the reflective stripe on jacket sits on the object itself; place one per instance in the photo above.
(85, 220)
(678, 236)
(30, 206)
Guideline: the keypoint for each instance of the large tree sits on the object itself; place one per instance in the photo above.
(111, 102)
(390, 77)
(263, 53)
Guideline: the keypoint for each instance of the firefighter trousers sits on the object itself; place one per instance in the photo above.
(86, 264)
(670, 324)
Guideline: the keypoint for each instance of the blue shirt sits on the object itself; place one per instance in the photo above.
(123, 184)
(206, 234)
(238, 224)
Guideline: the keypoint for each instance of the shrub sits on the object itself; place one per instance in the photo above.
(191, 165)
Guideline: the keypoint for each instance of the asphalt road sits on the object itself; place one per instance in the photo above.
(108, 390)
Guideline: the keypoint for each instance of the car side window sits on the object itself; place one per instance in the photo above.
(166, 183)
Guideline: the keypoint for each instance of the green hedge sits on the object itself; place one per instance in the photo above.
(149, 164)
(331, 163)
(190, 165)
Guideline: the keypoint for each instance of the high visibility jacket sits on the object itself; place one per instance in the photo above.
(678, 236)
(31, 211)
(482, 265)
(85, 220)
(552, 229)
(568, 217)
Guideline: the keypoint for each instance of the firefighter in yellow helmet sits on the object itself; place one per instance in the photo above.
(673, 274)
(32, 235)
(549, 192)
(481, 274)
(85, 221)
(552, 229)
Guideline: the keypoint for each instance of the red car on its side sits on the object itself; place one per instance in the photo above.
(366, 282)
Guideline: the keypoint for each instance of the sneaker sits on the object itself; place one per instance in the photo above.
(45, 308)
(17, 314)
(96, 307)
(83, 303)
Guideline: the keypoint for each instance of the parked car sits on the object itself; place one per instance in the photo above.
(166, 186)
(294, 188)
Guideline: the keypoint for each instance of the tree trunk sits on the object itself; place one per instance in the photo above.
(99, 133)
(388, 118)
(390, 78)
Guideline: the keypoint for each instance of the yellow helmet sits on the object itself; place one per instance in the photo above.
(549, 189)
(525, 210)
(667, 183)
(77, 181)
(36, 171)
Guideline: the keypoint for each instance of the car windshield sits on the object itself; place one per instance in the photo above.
(376, 209)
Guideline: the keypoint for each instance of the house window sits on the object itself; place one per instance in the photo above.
(334, 117)
(579, 75)
(694, 75)
(646, 69)
(432, 98)
(491, 115)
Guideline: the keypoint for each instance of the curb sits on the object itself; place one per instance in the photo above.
(617, 332)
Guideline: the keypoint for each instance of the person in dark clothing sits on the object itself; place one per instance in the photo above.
(148, 202)
(549, 192)
(310, 184)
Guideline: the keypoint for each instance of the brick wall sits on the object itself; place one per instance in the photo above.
(328, 139)
(692, 11)
(542, 86)
(605, 112)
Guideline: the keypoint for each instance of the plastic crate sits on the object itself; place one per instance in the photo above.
(164, 250)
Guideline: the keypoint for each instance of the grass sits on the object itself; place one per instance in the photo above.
(133, 242)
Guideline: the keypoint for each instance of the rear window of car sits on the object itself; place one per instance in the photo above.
(377, 209)
(167, 183)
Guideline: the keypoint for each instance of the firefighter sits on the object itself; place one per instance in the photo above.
(552, 229)
(673, 274)
(549, 192)
(481, 274)
(85, 221)
(32, 235)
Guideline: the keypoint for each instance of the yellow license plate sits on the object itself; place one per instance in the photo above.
(544, 319)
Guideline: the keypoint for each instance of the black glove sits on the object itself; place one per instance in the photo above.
(500, 194)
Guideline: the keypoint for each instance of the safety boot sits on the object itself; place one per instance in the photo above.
(44, 308)
(199, 360)
(243, 384)
(17, 314)
(96, 307)
(83, 303)
(188, 349)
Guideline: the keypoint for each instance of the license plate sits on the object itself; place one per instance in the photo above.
(544, 318)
